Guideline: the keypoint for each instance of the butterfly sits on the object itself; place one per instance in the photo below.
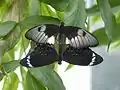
(76, 52)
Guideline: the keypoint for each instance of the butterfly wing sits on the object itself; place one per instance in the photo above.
(83, 57)
(42, 55)
(41, 33)
(79, 38)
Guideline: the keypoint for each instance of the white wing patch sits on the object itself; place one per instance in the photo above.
(51, 40)
(67, 41)
(83, 39)
(93, 60)
(37, 34)
(28, 62)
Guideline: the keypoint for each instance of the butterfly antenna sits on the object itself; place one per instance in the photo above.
(62, 24)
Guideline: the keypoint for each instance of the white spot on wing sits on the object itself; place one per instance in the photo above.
(67, 41)
(85, 42)
(93, 60)
(80, 32)
(28, 57)
(91, 63)
(29, 65)
(77, 42)
(51, 40)
(80, 42)
(73, 42)
(93, 55)
(28, 61)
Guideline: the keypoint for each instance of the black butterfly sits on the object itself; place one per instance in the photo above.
(77, 51)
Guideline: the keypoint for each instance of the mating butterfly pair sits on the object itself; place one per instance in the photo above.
(73, 46)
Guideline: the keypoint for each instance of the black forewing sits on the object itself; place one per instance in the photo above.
(41, 33)
(44, 54)
(83, 57)
(78, 37)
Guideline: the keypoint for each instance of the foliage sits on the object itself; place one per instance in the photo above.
(17, 16)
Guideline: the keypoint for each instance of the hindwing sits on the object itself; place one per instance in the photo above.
(43, 54)
(83, 57)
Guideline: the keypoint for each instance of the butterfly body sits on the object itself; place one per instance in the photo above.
(76, 52)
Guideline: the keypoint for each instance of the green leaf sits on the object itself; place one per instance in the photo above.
(23, 72)
(2, 2)
(23, 9)
(115, 45)
(95, 10)
(69, 67)
(116, 32)
(11, 82)
(3, 48)
(48, 77)
(13, 37)
(47, 11)
(32, 83)
(36, 20)
(75, 13)
(6, 27)
(9, 41)
(22, 45)
(108, 17)
(5, 8)
(10, 66)
(60, 15)
(1, 75)
(9, 56)
(101, 36)
(114, 3)
(59, 5)
(33, 7)
(95, 19)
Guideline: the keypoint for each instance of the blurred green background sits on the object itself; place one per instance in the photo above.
(17, 16)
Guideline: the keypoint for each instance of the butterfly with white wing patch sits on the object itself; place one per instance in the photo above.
(77, 51)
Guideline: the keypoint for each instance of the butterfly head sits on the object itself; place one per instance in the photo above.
(62, 24)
